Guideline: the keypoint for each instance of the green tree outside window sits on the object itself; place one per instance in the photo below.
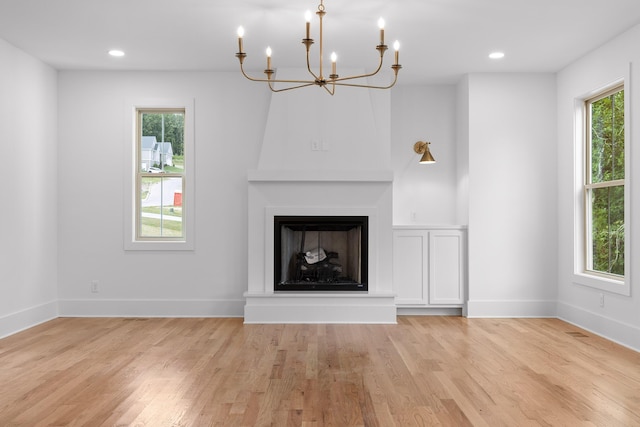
(605, 183)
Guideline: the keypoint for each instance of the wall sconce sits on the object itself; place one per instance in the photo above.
(423, 148)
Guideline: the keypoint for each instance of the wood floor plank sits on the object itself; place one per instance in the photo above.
(424, 371)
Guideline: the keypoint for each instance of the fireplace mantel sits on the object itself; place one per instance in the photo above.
(320, 176)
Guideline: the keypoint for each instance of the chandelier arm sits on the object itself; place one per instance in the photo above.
(286, 88)
(309, 67)
(249, 77)
(300, 82)
(373, 73)
(330, 91)
(303, 83)
(395, 79)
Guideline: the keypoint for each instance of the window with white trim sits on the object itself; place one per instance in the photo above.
(160, 200)
(603, 191)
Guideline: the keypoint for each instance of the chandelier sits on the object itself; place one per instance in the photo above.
(318, 77)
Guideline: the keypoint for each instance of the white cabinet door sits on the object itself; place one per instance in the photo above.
(446, 266)
(410, 274)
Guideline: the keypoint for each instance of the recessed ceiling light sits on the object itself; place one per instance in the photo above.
(115, 52)
(496, 55)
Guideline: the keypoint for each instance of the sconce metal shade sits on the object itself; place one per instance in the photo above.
(421, 147)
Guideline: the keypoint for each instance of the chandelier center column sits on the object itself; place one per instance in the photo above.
(321, 14)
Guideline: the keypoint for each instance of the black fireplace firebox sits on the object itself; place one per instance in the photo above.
(320, 253)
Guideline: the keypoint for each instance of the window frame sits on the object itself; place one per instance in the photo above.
(582, 275)
(132, 241)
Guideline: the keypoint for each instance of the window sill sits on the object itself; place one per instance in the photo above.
(616, 286)
(159, 246)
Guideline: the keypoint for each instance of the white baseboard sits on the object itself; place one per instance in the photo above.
(619, 332)
(151, 308)
(611, 329)
(509, 308)
(28, 318)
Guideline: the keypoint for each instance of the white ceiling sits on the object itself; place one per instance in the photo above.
(441, 39)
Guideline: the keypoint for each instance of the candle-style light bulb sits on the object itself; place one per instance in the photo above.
(240, 35)
(396, 46)
(334, 59)
(307, 17)
(268, 58)
(381, 26)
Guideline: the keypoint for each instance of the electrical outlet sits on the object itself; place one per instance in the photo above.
(601, 300)
(413, 217)
(94, 286)
(316, 144)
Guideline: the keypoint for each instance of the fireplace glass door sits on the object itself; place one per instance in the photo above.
(320, 253)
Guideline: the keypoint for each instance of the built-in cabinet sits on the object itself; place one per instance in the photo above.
(429, 266)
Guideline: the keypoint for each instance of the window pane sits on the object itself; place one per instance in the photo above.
(162, 141)
(160, 207)
(607, 138)
(607, 231)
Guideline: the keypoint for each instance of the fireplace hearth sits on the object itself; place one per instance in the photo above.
(320, 253)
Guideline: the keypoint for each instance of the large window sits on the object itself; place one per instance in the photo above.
(160, 188)
(604, 186)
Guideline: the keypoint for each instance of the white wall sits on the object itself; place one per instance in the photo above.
(512, 192)
(424, 194)
(512, 195)
(229, 124)
(619, 318)
(28, 167)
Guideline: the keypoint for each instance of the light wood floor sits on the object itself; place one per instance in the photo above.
(424, 371)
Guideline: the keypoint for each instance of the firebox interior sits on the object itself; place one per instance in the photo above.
(320, 253)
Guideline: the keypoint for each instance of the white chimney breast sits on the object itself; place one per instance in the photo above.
(308, 129)
(322, 155)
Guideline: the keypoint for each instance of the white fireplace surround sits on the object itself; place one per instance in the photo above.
(305, 193)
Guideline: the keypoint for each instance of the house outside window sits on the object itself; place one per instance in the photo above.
(604, 185)
(161, 185)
